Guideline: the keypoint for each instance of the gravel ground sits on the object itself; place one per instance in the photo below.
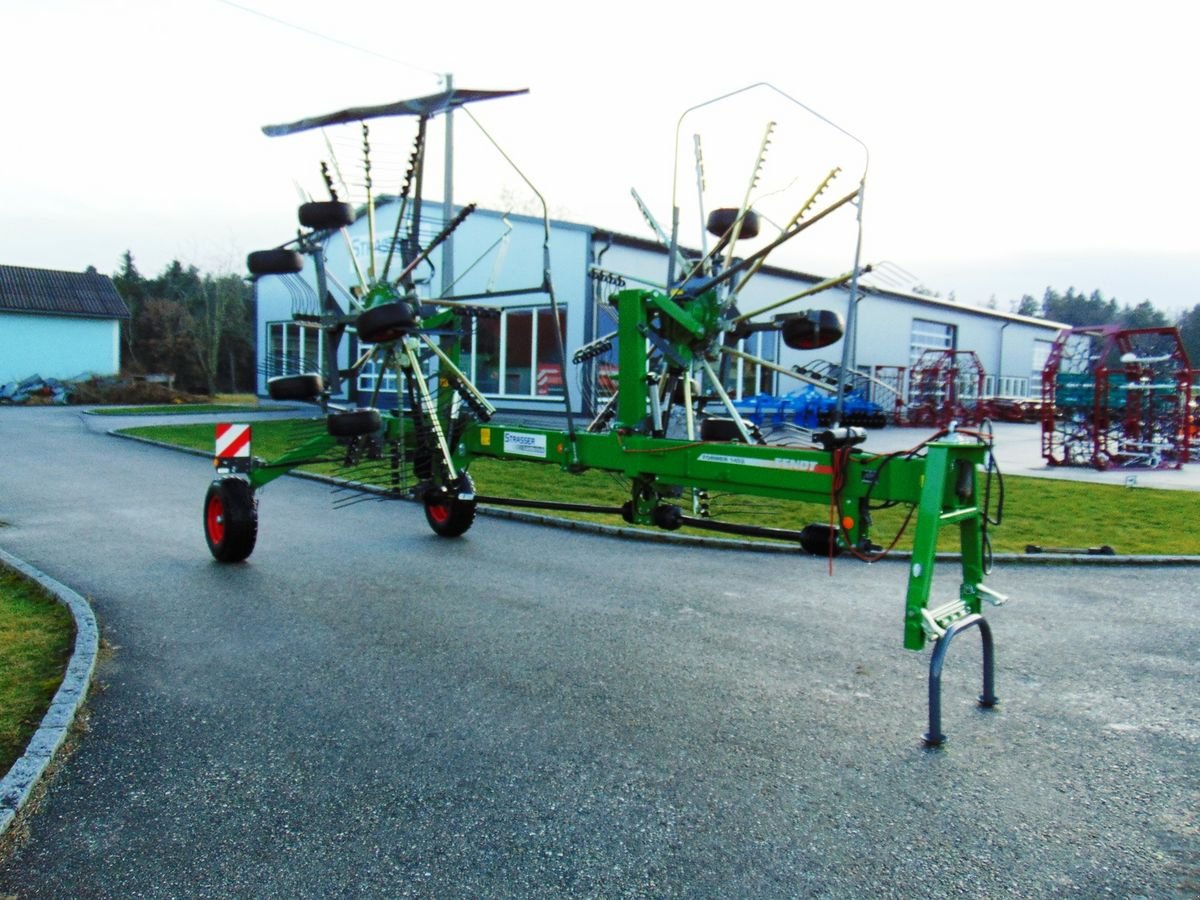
(363, 709)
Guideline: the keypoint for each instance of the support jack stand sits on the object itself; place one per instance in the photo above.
(987, 700)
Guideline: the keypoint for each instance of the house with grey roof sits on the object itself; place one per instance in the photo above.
(58, 324)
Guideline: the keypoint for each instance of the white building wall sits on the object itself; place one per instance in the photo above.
(57, 346)
(496, 253)
(493, 254)
(1004, 343)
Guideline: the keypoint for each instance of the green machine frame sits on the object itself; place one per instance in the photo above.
(942, 483)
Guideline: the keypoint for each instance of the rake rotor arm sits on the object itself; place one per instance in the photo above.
(735, 230)
(366, 149)
(800, 214)
(725, 240)
(415, 159)
(436, 242)
(782, 239)
(825, 285)
(654, 226)
(774, 367)
(463, 382)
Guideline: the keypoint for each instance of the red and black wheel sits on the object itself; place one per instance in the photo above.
(230, 519)
(451, 511)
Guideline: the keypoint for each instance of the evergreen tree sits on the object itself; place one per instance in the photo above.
(1027, 306)
(1189, 333)
(1076, 309)
(1144, 315)
(133, 288)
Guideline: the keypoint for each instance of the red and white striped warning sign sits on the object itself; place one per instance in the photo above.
(232, 440)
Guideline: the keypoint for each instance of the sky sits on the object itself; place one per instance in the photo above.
(1008, 148)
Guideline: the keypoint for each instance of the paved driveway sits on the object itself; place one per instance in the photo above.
(366, 710)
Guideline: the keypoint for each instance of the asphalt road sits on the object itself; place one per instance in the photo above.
(364, 709)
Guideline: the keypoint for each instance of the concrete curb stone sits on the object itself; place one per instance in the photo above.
(23, 776)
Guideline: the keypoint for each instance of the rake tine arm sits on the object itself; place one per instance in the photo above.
(436, 242)
(821, 188)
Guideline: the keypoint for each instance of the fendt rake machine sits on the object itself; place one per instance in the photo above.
(670, 427)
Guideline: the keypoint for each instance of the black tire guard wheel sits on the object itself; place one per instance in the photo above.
(230, 520)
(721, 430)
(307, 386)
(275, 262)
(668, 517)
(388, 322)
(447, 514)
(721, 220)
(820, 540)
(324, 214)
(354, 422)
(812, 330)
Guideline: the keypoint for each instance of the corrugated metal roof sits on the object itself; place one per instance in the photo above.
(50, 293)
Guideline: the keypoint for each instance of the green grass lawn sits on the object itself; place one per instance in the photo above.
(179, 409)
(35, 645)
(1043, 511)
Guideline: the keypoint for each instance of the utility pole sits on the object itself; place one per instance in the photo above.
(448, 210)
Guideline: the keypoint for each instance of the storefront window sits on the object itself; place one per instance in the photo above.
(753, 377)
(515, 354)
(486, 354)
(292, 349)
(368, 375)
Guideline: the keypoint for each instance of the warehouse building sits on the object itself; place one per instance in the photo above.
(499, 260)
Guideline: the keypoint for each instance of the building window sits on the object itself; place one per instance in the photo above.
(292, 348)
(927, 335)
(1010, 386)
(749, 378)
(1041, 356)
(512, 354)
(487, 339)
(515, 354)
(368, 377)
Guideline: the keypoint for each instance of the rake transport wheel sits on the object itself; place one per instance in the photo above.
(230, 519)
(447, 514)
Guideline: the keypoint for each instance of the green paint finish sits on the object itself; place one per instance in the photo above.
(683, 329)
(312, 450)
(949, 496)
